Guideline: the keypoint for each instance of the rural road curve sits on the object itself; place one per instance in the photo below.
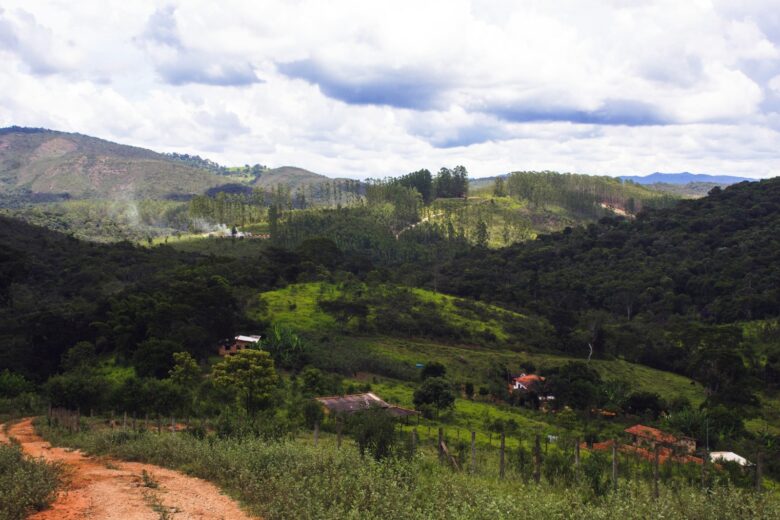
(109, 489)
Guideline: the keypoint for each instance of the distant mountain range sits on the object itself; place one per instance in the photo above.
(683, 178)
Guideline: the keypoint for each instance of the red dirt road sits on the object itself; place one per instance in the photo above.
(109, 489)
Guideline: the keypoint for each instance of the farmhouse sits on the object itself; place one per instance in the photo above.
(348, 404)
(648, 437)
(645, 439)
(231, 347)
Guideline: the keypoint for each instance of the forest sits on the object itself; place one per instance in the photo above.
(667, 317)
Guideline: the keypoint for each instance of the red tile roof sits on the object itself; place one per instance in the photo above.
(653, 434)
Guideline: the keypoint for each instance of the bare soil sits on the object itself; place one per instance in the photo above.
(109, 489)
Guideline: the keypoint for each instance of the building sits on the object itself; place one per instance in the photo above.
(353, 403)
(231, 347)
(525, 382)
(648, 437)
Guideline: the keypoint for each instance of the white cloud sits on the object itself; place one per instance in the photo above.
(378, 88)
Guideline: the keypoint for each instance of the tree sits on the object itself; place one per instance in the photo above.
(82, 353)
(482, 234)
(433, 369)
(374, 431)
(185, 371)
(434, 392)
(154, 357)
(250, 376)
(499, 190)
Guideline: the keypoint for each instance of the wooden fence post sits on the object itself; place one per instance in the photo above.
(112, 419)
(159, 424)
(655, 472)
(173, 424)
(501, 461)
(704, 459)
(759, 472)
(316, 433)
(473, 452)
(537, 460)
(577, 452)
(440, 445)
(124, 421)
(414, 441)
(339, 428)
(614, 465)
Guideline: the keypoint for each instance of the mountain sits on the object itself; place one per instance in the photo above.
(683, 178)
(289, 176)
(40, 164)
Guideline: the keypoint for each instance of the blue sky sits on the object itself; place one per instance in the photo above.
(380, 88)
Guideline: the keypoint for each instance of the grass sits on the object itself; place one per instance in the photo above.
(26, 484)
(470, 363)
(296, 307)
(294, 479)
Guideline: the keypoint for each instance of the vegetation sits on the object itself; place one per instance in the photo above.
(26, 484)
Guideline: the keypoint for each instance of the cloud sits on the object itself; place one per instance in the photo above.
(178, 64)
(396, 88)
(34, 44)
(373, 89)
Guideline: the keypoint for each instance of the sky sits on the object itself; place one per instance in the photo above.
(373, 88)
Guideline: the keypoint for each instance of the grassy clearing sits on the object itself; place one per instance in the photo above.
(26, 484)
(470, 363)
(296, 306)
(295, 479)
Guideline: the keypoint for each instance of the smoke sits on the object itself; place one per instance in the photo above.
(201, 225)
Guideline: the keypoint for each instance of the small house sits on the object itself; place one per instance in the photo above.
(239, 343)
(525, 383)
(648, 437)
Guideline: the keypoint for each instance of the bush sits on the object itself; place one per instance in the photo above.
(25, 484)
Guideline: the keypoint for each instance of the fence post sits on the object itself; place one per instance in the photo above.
(339, 428)
(146, 421)
(614, 465)
(124, 421)
(704, 459)
(473, 452)
(440, 445)
(577, 452)
(501, 461)
(135, 429)
(173, 424)
(112, 419)
(759, 472)
(159, 424)
(414, 441)
(537, 460)
(316, 433)
(655, 472)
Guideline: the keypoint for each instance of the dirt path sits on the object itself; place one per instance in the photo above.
(108, 489)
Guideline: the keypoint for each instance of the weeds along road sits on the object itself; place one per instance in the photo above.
(109, 489)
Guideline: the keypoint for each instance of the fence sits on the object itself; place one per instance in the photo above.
(464, 455)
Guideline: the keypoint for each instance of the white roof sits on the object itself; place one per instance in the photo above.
(248, 339)
(729, 456)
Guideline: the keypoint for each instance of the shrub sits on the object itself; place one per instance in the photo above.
(25, 484)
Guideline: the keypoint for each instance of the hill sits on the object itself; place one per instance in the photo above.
(290, 176)
(683, 178)
(37, 162)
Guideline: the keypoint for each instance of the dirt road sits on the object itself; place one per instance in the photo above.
(108, 489)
